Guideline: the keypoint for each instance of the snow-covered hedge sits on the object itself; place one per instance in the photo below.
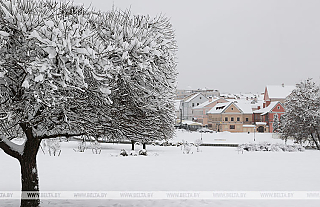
(265, 146)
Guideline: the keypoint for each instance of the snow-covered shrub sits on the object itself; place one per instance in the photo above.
(198, 143)
(300, 148)
(265, 146)
(96, 147)
(123, 152)
(143, 152)
(246, 147)
(275, 148)
(187, 149)
(133, 153)
(52, 146)
(82, 146)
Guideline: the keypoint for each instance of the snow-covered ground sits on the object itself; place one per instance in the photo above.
(226, 137)
(168, 169)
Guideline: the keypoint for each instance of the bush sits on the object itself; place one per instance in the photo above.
(123, 152)
(143, 152)
(265, 146)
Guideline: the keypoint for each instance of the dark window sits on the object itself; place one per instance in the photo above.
(247, 119)
(197, 104)
(232, 126)
(232, 119)
(238, 118)
(226, 118)
(192, 104)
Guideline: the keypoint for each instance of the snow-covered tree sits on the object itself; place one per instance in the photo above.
(60, 67)
(275, 124)
(302, 117)
(144, 78)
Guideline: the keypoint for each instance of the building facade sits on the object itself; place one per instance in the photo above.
(200, 112)
(231, 117)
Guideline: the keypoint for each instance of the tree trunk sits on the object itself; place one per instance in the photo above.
(132, 144)
(144, 146)
(318, 136)
(29, 171)
(315, 141)
(30, 182)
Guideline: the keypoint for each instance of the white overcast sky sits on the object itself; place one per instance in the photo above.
(238, 45)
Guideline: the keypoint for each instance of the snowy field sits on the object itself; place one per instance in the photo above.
(168, 169)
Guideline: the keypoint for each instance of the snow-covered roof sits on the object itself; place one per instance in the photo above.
(190, 122)
(263, 111)
(191, 96)
(217, 109)
(204, 104)
(242, 106)
(279, 91)
(261, 123)
(245, 107)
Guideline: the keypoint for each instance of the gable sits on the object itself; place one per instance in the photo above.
(232, 109)
(278, 108)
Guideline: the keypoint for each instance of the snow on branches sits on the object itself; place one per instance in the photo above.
(65, 68)
(302, 117)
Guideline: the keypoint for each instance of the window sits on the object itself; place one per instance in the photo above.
(232, 119)
(278, 107)
(200, 97)
(238, 118)
(197, 104)
(192, 104)
(226, 118)
(232, 109)
(232, 126)
(247, 119)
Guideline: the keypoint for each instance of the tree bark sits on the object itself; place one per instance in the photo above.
(132, 144)
(318, 136)
(29, 171)
(315, 141)
(144, 146)
(30, 182)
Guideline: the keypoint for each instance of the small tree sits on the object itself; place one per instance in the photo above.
(275, 124)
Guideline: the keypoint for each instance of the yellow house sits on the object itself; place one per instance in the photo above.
(232, 117)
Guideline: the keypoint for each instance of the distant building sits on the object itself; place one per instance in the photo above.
(232, 117)
(190, 102)
(200, 112)
(276, 93)
(263, 118)
(181, 94)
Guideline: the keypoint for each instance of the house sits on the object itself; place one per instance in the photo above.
(181, 94)
(200, 112)
(263, 118)
(231, 116)
(190, 102)
(276, 93)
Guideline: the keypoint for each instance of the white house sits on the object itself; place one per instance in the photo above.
(190, 102)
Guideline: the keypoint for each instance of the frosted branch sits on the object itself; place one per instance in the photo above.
(10, 147)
